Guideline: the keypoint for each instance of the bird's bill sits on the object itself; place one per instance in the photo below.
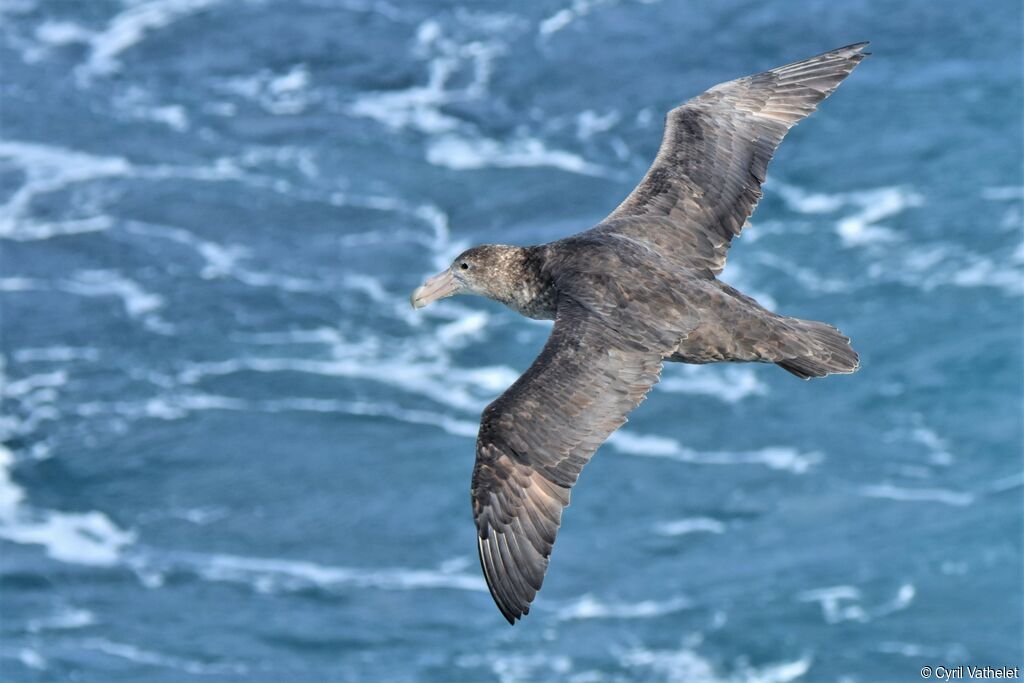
(438, 287)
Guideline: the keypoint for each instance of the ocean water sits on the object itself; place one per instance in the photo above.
(229, 451)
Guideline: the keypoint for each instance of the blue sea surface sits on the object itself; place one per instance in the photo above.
(230, 451)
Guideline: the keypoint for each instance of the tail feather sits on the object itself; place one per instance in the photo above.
(826, 351)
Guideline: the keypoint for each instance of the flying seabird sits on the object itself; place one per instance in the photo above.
(638, 289)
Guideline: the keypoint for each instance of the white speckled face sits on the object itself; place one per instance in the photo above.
(488, 270)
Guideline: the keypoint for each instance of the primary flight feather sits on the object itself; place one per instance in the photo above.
(638, 289)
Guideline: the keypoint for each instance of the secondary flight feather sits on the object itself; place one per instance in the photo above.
(638, 289)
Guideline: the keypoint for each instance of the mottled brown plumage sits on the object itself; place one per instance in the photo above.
(630, 293)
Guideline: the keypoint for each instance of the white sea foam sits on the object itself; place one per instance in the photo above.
(447, 59)
(514, 667)
(556, 22)
(1007, 483)
(455, 143)
(65, 620)
(875, 205)
(690, 525)
(807, 277)
(686, 666)
(861, 227)
(777, 457)
(729, 384)
(129, 28)
(838, 603)
(281, 94)
(88, 538)
(31, 658)
(917, 495)
(843, 603)
(178, 405)
(589, 607)
(48, 169)
(939, 453)
(137, 302)
(220, 260)
(135, 103)
(278, 575)
(590, 123)
(449, 424)
(576, 10)
(433, 379)
(56, 354)
(32, 383)
(57, 33)
(931, 266)
(463, 153)
(20, 284)
(139, 655)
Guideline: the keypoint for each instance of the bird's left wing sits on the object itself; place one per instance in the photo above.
(535, 439)
(706, 179)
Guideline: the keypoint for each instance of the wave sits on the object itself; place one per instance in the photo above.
(843, 603)
(55, 354)
(138, 303)
(128, 28)
(690, 525)
(729, 384)
(861, 227)
(589, 607)
(434, 379)
(448, 59)
(87, 538)
(466, 153)
(687, 665)
(775, 457)
(31, 658)
(516, 667)
(270, 575)
(934, 495)
(281, 94)
(180, 405)
(462, 52)
(138, 655)
(576, 10)
(922, 265)
(49, 169)
(66, 620)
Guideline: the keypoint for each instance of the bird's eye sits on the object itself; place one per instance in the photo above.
(464, 266)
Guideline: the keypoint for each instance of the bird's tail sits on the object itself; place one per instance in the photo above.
(826, 351)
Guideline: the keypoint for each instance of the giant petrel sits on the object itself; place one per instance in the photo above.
(634, 291)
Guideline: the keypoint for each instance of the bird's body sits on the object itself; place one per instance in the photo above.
(638, 289)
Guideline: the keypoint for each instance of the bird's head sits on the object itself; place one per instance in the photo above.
(486, 270)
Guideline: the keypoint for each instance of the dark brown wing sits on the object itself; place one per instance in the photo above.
(535, 439)
(706, 179)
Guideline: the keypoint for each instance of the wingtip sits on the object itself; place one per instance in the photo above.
(855, 48)
(500, 601)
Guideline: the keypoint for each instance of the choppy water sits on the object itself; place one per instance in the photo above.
(231, 451)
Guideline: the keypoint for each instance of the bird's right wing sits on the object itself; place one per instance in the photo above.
(535, 439)
(706, 179)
